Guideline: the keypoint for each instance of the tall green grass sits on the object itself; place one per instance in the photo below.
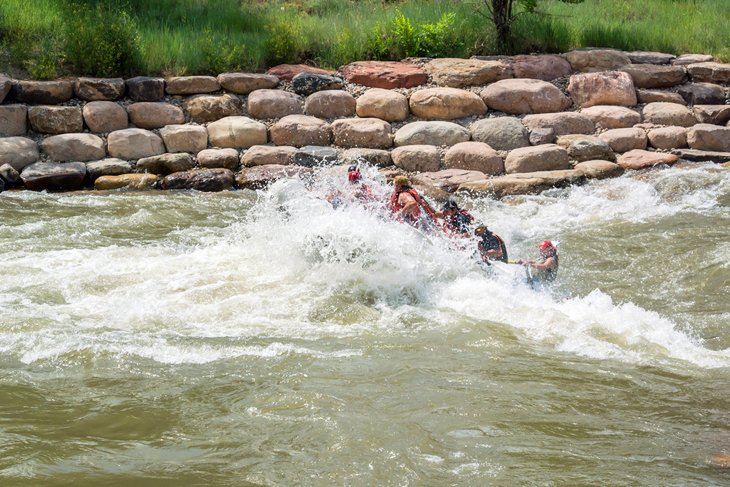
(47, 38)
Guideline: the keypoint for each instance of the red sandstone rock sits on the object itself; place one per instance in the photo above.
(384, 74)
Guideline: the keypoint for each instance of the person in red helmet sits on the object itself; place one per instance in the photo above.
(544, 269)
(360, 190)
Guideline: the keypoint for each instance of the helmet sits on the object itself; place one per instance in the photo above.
(450, 205)
(352, 168)
(401, 180)
(545, 245)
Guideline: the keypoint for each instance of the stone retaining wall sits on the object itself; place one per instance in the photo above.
(488, 125)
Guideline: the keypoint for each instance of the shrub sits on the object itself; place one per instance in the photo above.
(221, 56)
(438, 40)
(285, 42)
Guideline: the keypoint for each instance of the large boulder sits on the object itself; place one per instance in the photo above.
(52, 119)
(245, 83)
(43, 92)
(715, 114)
(373, 157)
(649, 57)
(105, 116)
(330, 104)
(710, 73)
(236, 132)
(561, 123)
(667, 138)
(685, 59)
(218, 179)
(500, 133)
(654, 76)
(362, 132)
(315, 156)
(447, 180)
(107, 167)
(54, 176)
(651, 96)
(99, 89)
(288, 71)
(260, 155)
(259, 177)
(184, 138)
(522, 183)
(546, 67)
(19, 152)
(134, 144)
(704, 156)
(603, 88)
(384, 74)
(154, 115)
(13, 120)
(474, 156)
(139, 182)
(210, 158)
(641, 159)
(624, 140)
(668, 114)
(274, 104)
(612, 117)
(707, 137)
(387, 105)
(599, 169)
(165, 163)
(145, 88)
(209, 108)
(417, 158)
(191, 85)
(73, 147)
(702, 94)
(524, 96)
(547, 157)
(446, 104)
(586, 148)
(460, 73)
(307, 83)
(301, 130)
(592, 60)
(431, 133)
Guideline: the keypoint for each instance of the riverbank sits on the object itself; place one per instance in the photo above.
(492, 126)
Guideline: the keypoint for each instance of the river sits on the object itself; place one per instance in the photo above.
(264, 338)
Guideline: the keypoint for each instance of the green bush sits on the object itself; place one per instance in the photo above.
(102, 39)
(438, 39)
(285, 42)
(220, 56)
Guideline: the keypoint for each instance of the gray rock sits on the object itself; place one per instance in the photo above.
(134, 144)
(19, 152)
(99, 89)
(702, 94)
(245, 83)
(307, 83)
(13, 120)
(107, 167)
(54, 176)
(695, 155)
(539, 136)
(211, 158)
(646, 57)
(55, 119)
(314, 156)
(144, 88)
(74, 147)
(9, 174)
(373, 157)
(417, 158)
(165, 163)
(431, 133)
(501, 133)
(259, 177)
(42, 92)
(218, 179)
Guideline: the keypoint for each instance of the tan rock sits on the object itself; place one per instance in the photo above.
(288, 71)
(624, 140)
(599, 169)
(99, 89)
(668, 114)
(524, 96)
(604, 88)
(134, 143)
(363, 156)
(52, 119)
(641, 159)
(211, 158)
(431, 133)
(449, 179)
(384, 74)
(387, 105)
(267, 104)
(421, 158)
(562, 123)
(260, 155)
(654, 76)
(236, 133)
(245, 83)
(191, 85)
(107, 167)
(651, 96)
(362, 132)
(165, 163)
(19, 152)
(460, 73)
(446, 104)
(258, 177)
(685, 59)
(546, 67)
(592, 60)
(330, 104)
(525, 183)
(547, 157)
(138, 182)
(715, 114)
(13, 120)
(707, 137)
(668, 137)
(154, 115)
(73, 147)
(184, 138)
(612, 117)
(105, 116)
(586, 148)
(474, 156)
(301, 130)
(209, 108)
(709, 73)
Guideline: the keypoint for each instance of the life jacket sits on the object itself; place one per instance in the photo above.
(549, 274)
(394, 206)
(487, 243)
(459, 222)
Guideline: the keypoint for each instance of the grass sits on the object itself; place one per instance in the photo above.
(49, 38)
